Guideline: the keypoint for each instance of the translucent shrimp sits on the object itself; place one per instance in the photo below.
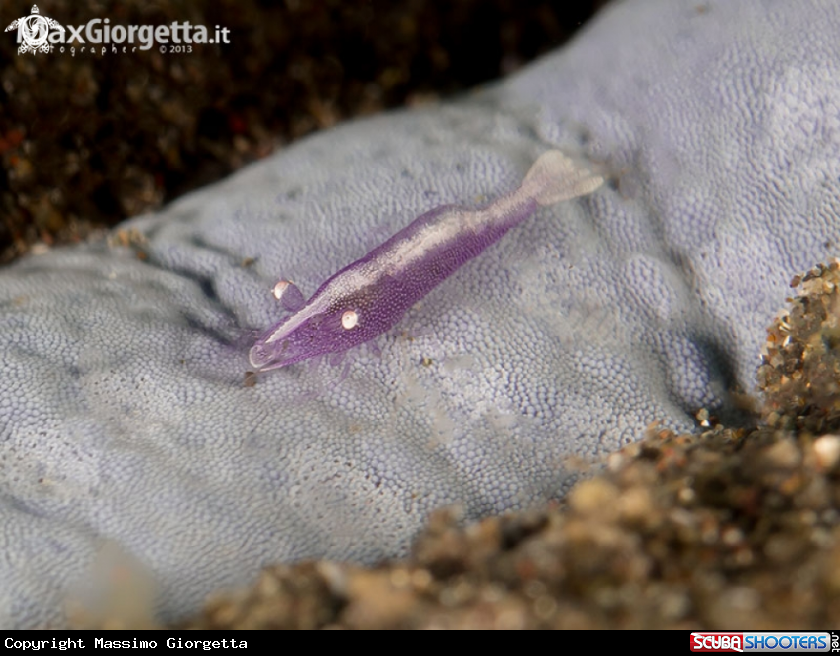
(371, 295)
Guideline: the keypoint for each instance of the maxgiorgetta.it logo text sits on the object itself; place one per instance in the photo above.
(37, 33)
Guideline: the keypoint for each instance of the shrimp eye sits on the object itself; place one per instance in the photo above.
(349, 320)
(280, 289)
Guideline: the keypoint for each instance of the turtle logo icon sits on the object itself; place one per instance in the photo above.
(33, 31)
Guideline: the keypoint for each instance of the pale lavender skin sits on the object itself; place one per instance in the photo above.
(381, 286)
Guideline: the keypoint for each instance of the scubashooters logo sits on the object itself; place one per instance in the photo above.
(793, 641)
(34, 31)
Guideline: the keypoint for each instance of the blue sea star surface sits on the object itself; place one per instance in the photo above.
(124, 416)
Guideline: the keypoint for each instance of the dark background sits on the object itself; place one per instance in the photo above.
(89, 140)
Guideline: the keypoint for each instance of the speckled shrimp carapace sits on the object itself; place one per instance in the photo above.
(371, 295)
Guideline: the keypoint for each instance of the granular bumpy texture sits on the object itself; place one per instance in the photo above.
(728, 529)
(800, 376)
(134, 446)
(720, 530)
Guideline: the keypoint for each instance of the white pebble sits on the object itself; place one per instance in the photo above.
(827, 451)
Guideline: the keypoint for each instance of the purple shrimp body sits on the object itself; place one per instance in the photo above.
(371, 295)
